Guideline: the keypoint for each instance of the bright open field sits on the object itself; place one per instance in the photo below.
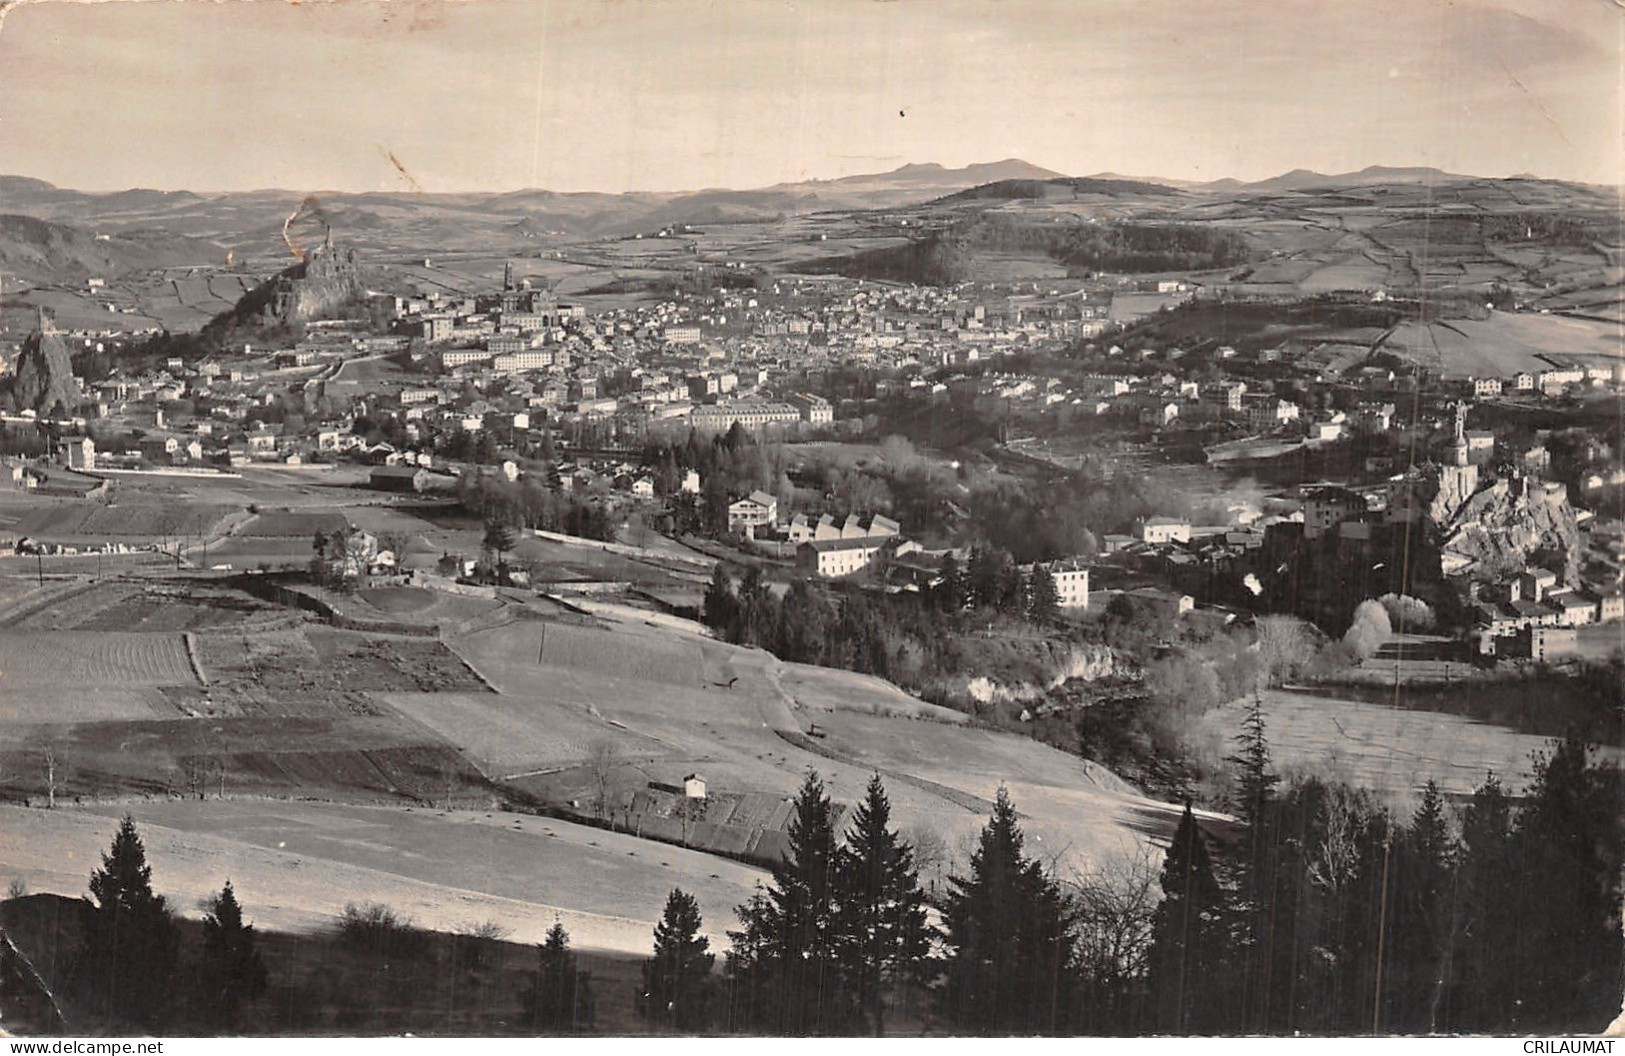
(671, 687)
(1127, 307)
(295, 865)
(1354, 272)
(1393, 751)
(370, 719)
(508, 735)
(1503, 344)
(823, 688)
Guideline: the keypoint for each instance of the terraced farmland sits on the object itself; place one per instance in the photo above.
(68, 677)
(102, 658)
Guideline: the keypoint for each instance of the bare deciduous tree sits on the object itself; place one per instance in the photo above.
(1333, 857)
(195, 769)
(638, 532)
(55, 767)
(1118, 901)
(930, 854)
(1284, 648)
(394, 542)
(448, 774)
(603, 759)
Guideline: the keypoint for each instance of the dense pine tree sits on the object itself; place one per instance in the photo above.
(982, 576)
(949, 593)
(677, 979)
(755, 613)
(1256, 807)
(1043, 600)
(750, 966)
(128, 963)
(1417, 945)
(782, 967)
(804, 620)
(881, 934)
(230, 971)
(719, 606)
(499, 538)
(1011, 592)
(1009, 938)
(560, 995)
(1570, 849)
(1486, 921)
(1188, 937)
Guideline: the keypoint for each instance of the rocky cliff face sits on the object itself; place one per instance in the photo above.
(327, 281)
(45, 373)
(1493, 533)
(1058, 664)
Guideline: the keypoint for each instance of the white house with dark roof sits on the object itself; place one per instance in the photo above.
(1071, 578)
(1159, 530)
(834, 558)
(753, 511)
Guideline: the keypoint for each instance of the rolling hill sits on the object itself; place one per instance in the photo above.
(250, 222)
(45, 251)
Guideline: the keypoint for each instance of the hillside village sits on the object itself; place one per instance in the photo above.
(515, 383)
(419, 551)
(643, 519)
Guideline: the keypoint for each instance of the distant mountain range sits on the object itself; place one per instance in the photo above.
(115, 232)
(1308, 179)
(203, 226)
(1372, 175)
(33, 197)
(933, 177)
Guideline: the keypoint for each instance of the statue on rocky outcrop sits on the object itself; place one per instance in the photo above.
(325, 281)
(44, 376)
(1459, 449)
(1458, 479)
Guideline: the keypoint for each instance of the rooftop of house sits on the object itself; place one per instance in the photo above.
(1332, 493)
(862, 542)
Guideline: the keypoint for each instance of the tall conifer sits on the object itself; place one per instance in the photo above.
(881, 932)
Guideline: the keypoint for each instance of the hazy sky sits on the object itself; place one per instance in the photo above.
(676, 94)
